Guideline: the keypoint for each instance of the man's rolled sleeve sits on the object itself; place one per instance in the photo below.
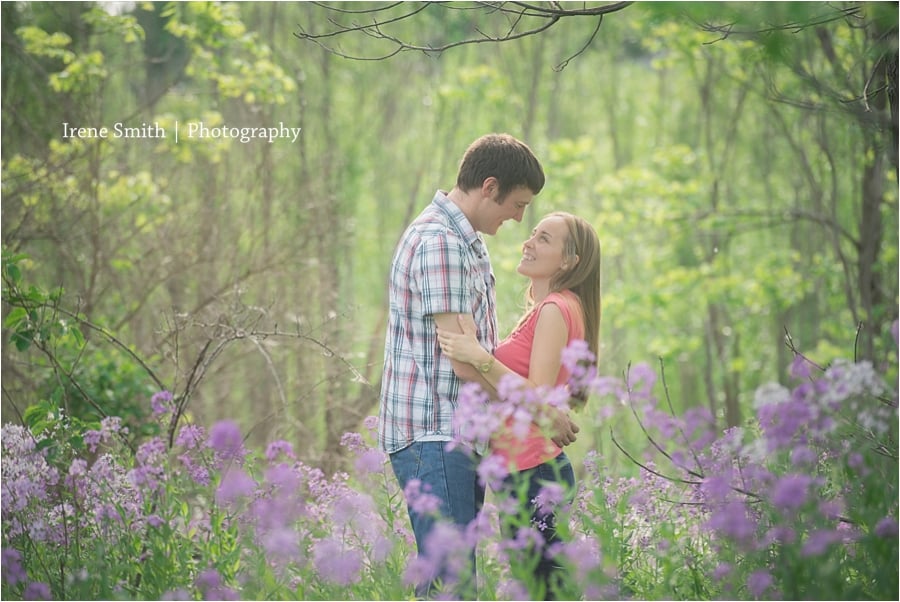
(444, 283)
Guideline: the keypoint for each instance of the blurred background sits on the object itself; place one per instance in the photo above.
(738, 160)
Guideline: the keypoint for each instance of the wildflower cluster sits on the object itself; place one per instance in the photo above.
(799, 502)
(205, 519)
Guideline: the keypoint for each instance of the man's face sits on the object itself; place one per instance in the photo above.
(493, 214)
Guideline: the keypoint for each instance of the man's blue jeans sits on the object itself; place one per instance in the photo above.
(449, 475)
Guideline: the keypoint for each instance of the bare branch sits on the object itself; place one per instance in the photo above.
(587, 44)
(687, 442)
(518, 12)
(728, 30)
(789, 341)
(645, 467)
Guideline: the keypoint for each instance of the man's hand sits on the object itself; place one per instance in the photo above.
(562, 428)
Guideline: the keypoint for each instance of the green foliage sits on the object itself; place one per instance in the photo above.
(722, 172)
(31, 318)
(82, 381)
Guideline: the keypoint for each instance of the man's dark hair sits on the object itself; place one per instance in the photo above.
(503, 157)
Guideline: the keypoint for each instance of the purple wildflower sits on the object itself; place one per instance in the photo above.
(791, 491)
(584, 554)
(641, 379)
(381, 548)
(153, 452)
(221, 593)
(803, 456)
(370, 461)
(208, 579)
(759, 581)
(161, 403)
(818, 541)
(602, 386)
(279, 448)
(336, 563)
(210, 583)
(887, 526)
(351, 507)
(11, 561)
(473, 421)
(513, 589)
(353, 442)
(778, 534)
(145, 477)
(112, 425)
(448, 550)
(281, 544)
(492, 471)
(92, 439)
(831, 509)
(575, 355)
(198, 472)
(801, 368)
(284, 478)
(177, 594)
(225, 438)
(717, 488)
(549, 497)
(855, 460)
(721, 571)
(371, 423)
(37, 590)
(419, 500)
(479, 529)
(608, 591)
(234, 485)
(190, 436)
(732, 520)
(419, 570)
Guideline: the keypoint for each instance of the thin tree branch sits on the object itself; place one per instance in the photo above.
(551, 13)
(662, 371)
(645, 467)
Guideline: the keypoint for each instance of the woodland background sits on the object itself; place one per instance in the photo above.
(738, 160)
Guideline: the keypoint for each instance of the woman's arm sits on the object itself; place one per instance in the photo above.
(550, 338)
(551, 335)
(464, 347)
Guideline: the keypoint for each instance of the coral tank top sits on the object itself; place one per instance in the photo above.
(515, 352)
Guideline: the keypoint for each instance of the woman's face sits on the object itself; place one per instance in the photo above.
(543, 255)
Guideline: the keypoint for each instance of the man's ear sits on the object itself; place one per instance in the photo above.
(490, 188)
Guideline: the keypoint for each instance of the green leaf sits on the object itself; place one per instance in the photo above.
(39, 417)
(22, 339)
(14, 273)
(15, 317)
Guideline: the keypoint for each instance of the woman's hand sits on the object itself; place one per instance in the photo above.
(462, 347)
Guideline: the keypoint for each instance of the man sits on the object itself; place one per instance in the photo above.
(440, 271)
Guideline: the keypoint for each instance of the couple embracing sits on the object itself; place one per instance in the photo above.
(442, 332)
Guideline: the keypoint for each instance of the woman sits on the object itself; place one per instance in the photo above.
(562, 260)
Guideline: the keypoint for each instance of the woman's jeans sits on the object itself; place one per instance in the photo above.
(451, 477)
(557, 470)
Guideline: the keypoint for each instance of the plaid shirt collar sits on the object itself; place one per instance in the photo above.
(460, 223)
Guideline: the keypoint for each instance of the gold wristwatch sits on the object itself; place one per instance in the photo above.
(485, 367)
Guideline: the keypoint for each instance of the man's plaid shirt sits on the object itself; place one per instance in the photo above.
(441, 265)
